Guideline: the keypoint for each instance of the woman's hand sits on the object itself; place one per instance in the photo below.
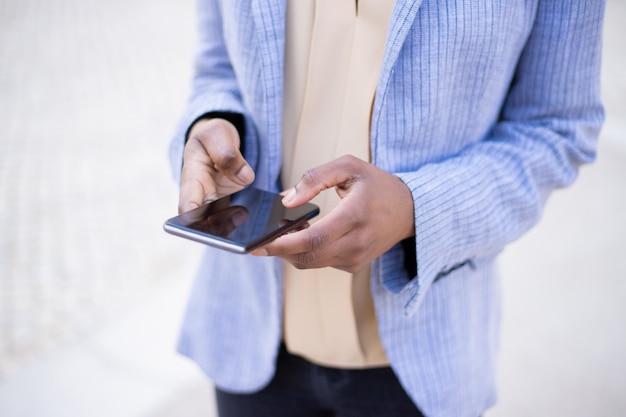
(213, 166)
(375, 213)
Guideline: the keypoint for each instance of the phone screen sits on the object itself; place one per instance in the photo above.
(240, 222)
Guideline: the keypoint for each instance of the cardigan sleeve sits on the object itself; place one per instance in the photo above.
(214, 88)
(469, 206)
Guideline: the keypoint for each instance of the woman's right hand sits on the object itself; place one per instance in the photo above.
(213, 165)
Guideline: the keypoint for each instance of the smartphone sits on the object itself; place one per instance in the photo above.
(240, 222)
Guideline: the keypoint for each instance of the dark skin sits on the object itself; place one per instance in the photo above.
(375, 211)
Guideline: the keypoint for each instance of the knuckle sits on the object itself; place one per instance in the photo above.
(315, 241)
(303, 260)
(216, 136)
(227, 160)
(347, 159)
(309, 177)
(348, 162)
(312, 251)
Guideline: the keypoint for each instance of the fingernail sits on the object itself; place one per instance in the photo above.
(259, 252)
(245, 175)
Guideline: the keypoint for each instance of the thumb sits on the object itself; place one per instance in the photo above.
(340, 173)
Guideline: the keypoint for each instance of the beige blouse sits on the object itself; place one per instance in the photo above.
(333, 55)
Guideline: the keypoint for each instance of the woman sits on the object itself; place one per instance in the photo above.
(442, 126)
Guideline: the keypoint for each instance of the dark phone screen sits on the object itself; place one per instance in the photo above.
(248, 219)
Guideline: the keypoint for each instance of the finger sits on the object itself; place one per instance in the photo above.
(314, 240)
(340, 173)
(196, 185)
(334, 255)
(198, 178)
(220, 141)
(213, 145)
(229, 162)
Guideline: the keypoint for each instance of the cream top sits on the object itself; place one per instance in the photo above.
(333, 54)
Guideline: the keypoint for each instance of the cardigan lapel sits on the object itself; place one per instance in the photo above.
(402, 18)
(269, 20)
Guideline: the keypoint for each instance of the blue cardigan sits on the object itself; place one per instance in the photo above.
(482, 108)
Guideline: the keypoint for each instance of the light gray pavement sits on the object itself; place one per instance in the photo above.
(91, 289)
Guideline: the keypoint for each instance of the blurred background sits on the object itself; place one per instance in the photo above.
(92, 290)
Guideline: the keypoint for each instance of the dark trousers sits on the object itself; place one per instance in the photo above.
(303, 389)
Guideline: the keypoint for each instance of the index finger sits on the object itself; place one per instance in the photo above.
(220, 141)
(339, 173)
(313, 240)
(213, 165)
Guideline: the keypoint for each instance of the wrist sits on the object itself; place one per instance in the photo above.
(407, 211)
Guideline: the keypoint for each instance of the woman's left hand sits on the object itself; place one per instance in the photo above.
(375, 213)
